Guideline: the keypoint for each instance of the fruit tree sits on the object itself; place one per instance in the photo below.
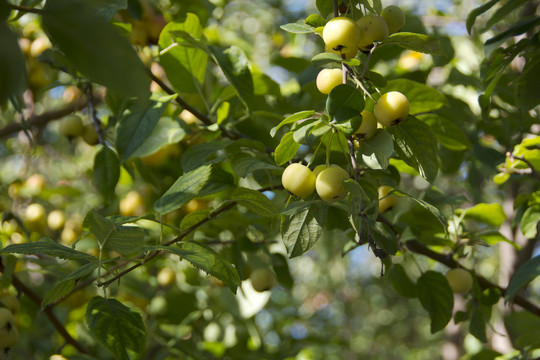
(233, 179)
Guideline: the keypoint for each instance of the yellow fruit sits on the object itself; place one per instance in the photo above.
(34, 214)
(188, 117)
(39, 45)
(341, 36)
(166, 277)
(368, 127)
(132, 204)
(11, 303)
(262, 279)
(71, 93)
(57, 357)
(460, 280)
(299, 180)
(196, 205)
(34, 184)
(56, 220)
(386, 202)
(394, 17)
(373, 28)
(327, 79)
(329, 184)
(391, 108)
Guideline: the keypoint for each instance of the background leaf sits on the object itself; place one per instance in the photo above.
(437, 298)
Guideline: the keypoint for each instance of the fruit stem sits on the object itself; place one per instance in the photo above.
(336, 8)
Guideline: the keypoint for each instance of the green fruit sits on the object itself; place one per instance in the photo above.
(341, 36)
(391, 108)
(394, 17)
(8, 332)
(71, 126)
(373, 28)
(11, 303)
(299, 180)
(327, 79)
(329, 184)
(460, 280)
(262, 279)
(368, 127)
(90, 135)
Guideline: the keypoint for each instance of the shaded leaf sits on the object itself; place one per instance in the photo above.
(254, 201)
(120, 329)
(12, 64)
(302, 230)
(286, 149)
(401, 282)
(417, 42)
(437, 298)
(291, 119)
(522, 277)
(49, 247)
(106, 172)
(344, 102)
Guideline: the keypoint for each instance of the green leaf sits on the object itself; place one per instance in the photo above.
(415, 144)
(522, 277)
(67, 284)
(349, 127)
(491, 214)
(254, 201)
(123, 239)
(12, 65)
(417, 42)
(519, 28)
(298, 28)
(106, 172)
(315, 20)
(185, 66)
(286, 149)
(281, 268)
(49, 247)
(401, 282)
(205, 180)
(136, 126)
(325, 7)
(432, 209)
(477, 325)
(166, 132)
(486, 354)
(291, 119)
(197, 155)
(107, 8)
(437, 298)
(422, 98)
(471, 18)
(524, 329)
(95, 47)
(448, 133)
(503, 12)
(377, 150)
(206, 259)
(530, 220)
(302, 230)
(344, 102)
(244, 164)
(235, 66)
(120, 329)
(384, 237)
(526, 94)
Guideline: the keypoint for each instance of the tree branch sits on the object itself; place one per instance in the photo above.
(447, 260)
(26, 9)
(43, 119)
(21, 287)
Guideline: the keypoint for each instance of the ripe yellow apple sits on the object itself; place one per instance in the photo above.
(373, 28)
(34, 213)
(166, 277)
(132, 204)
(39, 45)
(71, 93)
(368, 127)
(394, 17)
(196, 205)
(299, 180)
(391, 108)
(188, 117)
(328, 184)
(56, 220)
(386, 202)
(327, 79)
(11, 303)
(460, 280)
(57, 357)
(341, 36)
(71, 126)
(8, 332)
(33, 185)
(262, 279)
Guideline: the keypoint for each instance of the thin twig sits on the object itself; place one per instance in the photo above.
(93, 114)
(26, 9)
